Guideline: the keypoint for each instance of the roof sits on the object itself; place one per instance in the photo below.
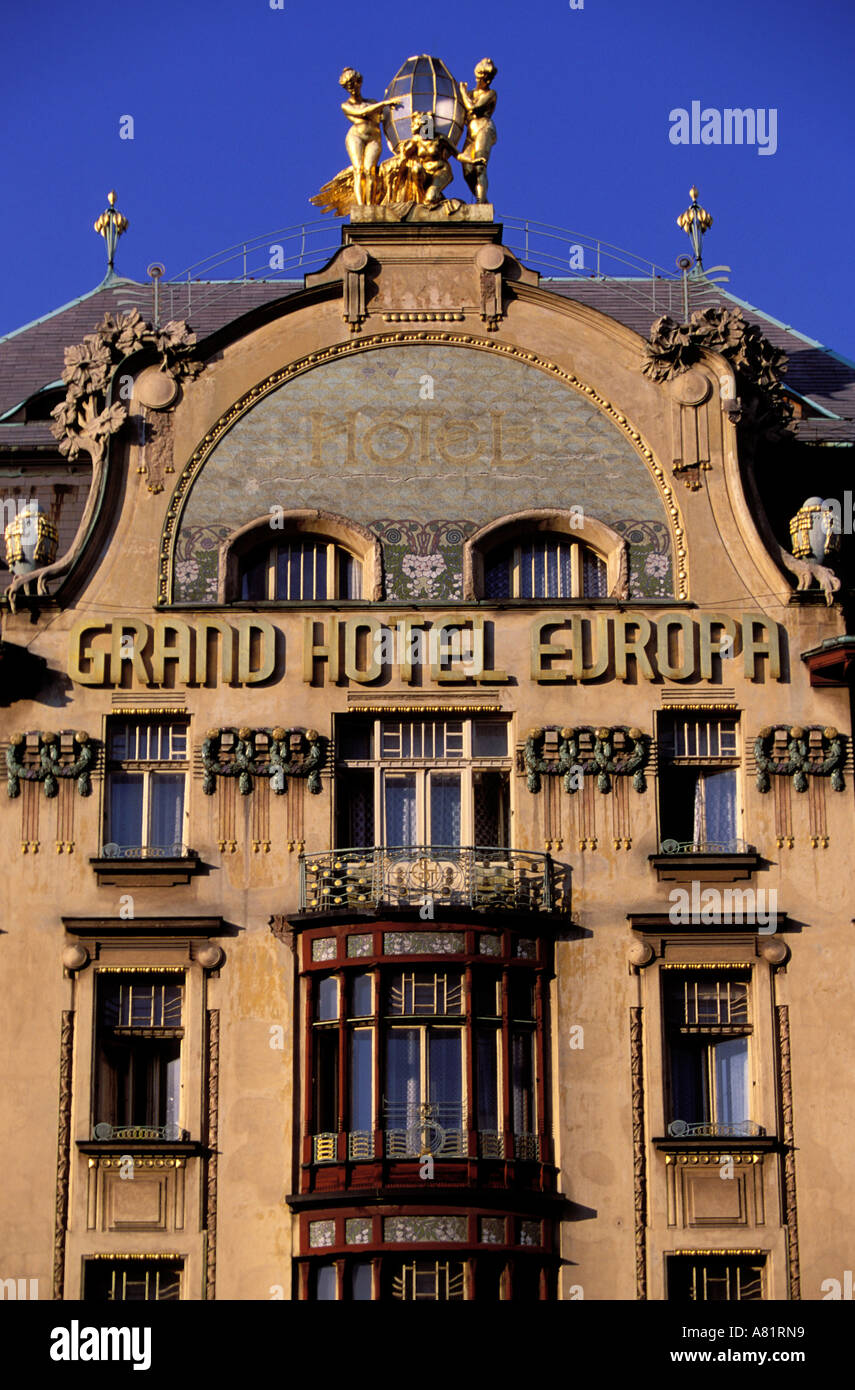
(31, 358)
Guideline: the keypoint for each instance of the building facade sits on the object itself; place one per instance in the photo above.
(429, 794)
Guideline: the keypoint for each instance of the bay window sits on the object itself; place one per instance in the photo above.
(433, 1060)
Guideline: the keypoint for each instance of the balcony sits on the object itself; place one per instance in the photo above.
(139, 865)
(171, 1133)
(364, 1146)
(481, 879)
(712, 860)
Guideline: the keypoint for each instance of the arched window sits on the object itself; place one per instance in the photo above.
(545, 566)
(300, 568)
(313, 557)
(545, 554)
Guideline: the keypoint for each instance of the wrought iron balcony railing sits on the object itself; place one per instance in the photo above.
(481, 877)
(173, 851)
(415, 1143)
(171, 1133)
(705, 847)
(742, 1129)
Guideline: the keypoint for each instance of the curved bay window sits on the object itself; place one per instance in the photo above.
(427, 1059)
(300, 568)
(549, 566)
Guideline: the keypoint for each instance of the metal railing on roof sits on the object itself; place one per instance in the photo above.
(284, 255)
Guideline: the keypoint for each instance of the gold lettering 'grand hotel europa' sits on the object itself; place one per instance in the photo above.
(407, 664)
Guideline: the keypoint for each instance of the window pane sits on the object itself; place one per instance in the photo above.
(360, 996)
(166, 815)
(126, 805)
(355, 817)
(594, 575)
(400, 806)
(497, 577)
(522, 1083)
(253, 584)
(487, 1078)
(361, 1070)
(327, 999)
(445, 808)
(489, 739)
(354, 738)
(349, 576)
(731, 1081)
(689, 1090)
(360, 1281)
(445, 1051)
(403, 1093)
(325, 1283)
(720, 805)
(326, 1080)
(491, 809)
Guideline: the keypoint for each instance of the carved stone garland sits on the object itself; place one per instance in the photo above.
(85, 421)
(63, 1152)
(50, 768)
(246, 763)
(603, 761)
(799, 764)
(639, 1161)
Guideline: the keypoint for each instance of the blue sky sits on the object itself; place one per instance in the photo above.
(237, 122)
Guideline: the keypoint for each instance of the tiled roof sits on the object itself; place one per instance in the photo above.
(32, 357)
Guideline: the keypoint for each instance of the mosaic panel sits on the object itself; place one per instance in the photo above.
(406, 1228)
(489, 945)
(321, 1233)
(361, 945)
(499, 436)
(526, 950)
(530, 1233)
(423, 943)
(323, 948)
(357, 1231)
(491, 1230)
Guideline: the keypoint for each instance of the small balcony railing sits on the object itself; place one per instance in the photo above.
(484, 878)
(171, 1133)
(173, 851)
(414, 1143)
(742, 1129)
(705, 847)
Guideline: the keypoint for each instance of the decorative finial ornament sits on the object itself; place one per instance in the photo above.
(111, 225)
(694, 222)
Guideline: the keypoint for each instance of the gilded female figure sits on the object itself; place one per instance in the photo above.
(363, 141)
(480, 104)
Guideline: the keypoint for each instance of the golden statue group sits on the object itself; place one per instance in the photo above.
(423, 141)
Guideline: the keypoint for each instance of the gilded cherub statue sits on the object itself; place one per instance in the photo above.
(363, 142)
(480, 104)
(423, 161)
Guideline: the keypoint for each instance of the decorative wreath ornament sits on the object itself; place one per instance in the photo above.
(50, 769)
(603, 761)
(799, 764)
(245, 764)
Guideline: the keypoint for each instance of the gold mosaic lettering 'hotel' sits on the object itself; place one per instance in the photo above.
(430, 796)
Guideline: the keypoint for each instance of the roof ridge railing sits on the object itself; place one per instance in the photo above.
(566, 255)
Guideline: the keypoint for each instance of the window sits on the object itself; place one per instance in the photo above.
(147, 764)
(707, 1029)
(433, 1281)
(715, 1279)
(443, 782)
(138, 1054)
(545, 567)
(131, 1281)
(427, 1034)
(698, 762)
(307, 569)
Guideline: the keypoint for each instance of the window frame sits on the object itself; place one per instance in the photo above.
(709, 1035)
(426, 772)
(512, 554)
(336, 554)
(133, 1038)
(705, 766)
(148, 769)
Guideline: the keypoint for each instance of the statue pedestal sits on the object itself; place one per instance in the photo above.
(449, 210)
